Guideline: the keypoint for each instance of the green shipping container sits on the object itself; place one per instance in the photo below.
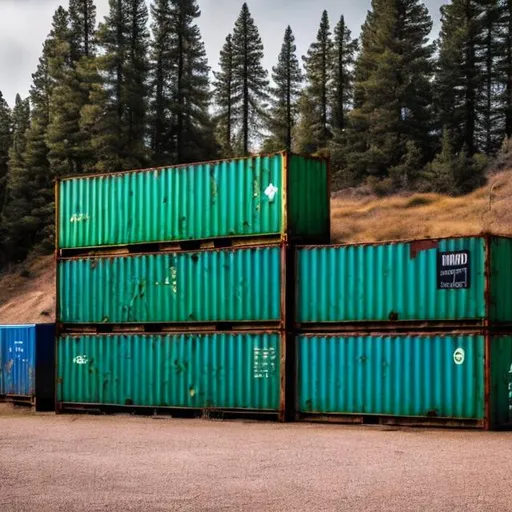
(228, 371)
(210, 286)
(448, 379)
(446, 281)
(282, 196)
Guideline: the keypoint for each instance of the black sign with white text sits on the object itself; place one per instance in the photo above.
(453, 270)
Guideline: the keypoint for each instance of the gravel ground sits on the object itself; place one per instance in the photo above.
(122, 463)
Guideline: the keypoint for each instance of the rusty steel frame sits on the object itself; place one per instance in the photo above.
(404, 421)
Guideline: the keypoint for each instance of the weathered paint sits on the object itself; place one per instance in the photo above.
(416, 375)
(199, 371)
(229, 198)
(27, 362)
(309, 211)
(500, 280)
(397, 282)
(500, 393)
(221, 285)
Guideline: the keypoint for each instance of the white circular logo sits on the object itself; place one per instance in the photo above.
(459, 355)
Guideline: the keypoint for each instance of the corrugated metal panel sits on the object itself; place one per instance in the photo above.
(501, 380)
(308, 197)
(202, 201)
(227, 371)
(18, 360)
(501, 279)
(409, 376)
(242, 285)
(397, 281)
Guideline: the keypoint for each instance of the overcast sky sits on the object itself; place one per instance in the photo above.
(24, 24)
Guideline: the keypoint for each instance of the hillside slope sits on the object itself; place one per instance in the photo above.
(355, 218)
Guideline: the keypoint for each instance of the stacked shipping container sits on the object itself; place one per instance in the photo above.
(173, 284)
(406, 332)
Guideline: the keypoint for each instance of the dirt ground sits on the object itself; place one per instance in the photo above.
(120, 463)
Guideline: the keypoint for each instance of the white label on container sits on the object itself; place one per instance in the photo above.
(271, 192)
(264, 362)
(80, 360)
(458, 356)
(79, 217)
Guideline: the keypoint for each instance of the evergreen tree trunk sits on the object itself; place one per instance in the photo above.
(245, 78)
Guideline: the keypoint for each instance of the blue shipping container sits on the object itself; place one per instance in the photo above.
(27, 361)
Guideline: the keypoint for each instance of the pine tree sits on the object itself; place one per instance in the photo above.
(392, 89)
(182, 130)
(116, 116)
(5, 143)
(490, 129)
(227, 117)
(504, 65)
(79, 88)
(162, 69)
(287, 78)
(189, 103)
(344, 50)
(64, 108)
(82, 18)
(250, 84)
(459, 77)
(454, 172)
(304, 131)
(30, 212)
(318, 66)
(72, 68)
(11, 210)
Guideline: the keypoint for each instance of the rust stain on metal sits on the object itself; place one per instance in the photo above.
(487, 387)
(422, 245)
(393, 316)
(487, 281)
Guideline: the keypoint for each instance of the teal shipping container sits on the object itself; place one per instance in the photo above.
(283, 196)
(451, 281)
(445, 379)
(226, 371)
(242, 286)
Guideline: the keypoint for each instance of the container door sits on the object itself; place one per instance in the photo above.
(19, 370)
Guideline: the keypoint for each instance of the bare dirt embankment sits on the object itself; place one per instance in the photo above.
(27, 294)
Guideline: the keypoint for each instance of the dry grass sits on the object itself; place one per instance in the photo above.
(367, 218)
(354, 219)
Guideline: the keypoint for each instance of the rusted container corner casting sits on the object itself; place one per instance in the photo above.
(283, 195)
(416, 378)
(244, 286)
(399, 282)
(224, 371)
